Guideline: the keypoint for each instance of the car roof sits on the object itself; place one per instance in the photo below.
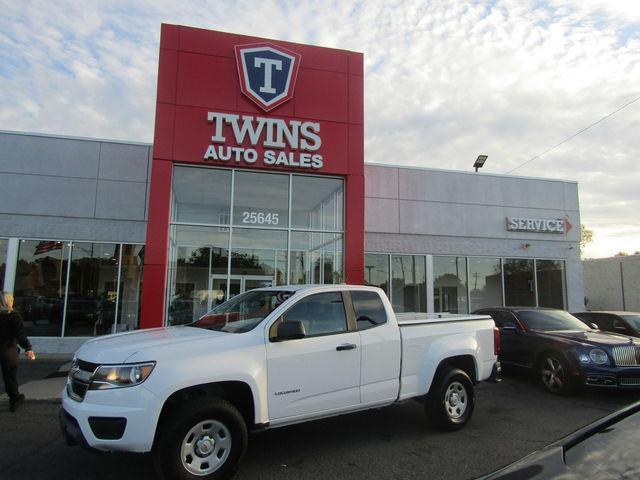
(518, 309)
(612, 312)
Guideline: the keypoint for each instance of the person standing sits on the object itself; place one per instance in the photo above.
(11, 335)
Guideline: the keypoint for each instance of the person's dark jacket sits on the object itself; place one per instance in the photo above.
(12, 332)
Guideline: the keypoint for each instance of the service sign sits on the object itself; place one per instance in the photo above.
(539, 225)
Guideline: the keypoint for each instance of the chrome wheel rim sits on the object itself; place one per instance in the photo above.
(553, 374)
(456, 400)
(205, 447)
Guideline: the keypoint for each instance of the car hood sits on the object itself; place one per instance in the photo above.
(119, 347)
(592, 337)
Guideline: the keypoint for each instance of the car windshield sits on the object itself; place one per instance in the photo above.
(242, 312)
(550, 320)
(633, 320)
(611, 453)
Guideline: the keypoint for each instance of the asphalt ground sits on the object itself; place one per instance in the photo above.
(511, 419)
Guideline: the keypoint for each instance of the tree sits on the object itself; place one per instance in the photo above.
(586, 236)
(621, 254)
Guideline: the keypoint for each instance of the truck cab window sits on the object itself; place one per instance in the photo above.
(369, 309)
(320, 314)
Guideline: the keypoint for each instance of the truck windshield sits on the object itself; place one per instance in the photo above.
(242, 312)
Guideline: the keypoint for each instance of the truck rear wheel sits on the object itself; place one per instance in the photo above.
(203, 439)
(451, 400)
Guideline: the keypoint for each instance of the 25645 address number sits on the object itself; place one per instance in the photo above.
(260, 218)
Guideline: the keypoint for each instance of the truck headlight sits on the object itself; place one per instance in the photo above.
(598, 356)
(118, 376)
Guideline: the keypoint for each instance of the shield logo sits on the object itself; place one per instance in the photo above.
(267, 73)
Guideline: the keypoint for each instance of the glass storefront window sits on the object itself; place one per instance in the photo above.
(3, 259)
(258, 258)
(316, 258)
(257, 232)
(376, 271)
(91, 299)
(261, 200)
(201, 195)
(485, 279)
(408, 284)
(40, 285)
(551, 279)
(450, 284)
(317, 203)
(198, 271)
(130, 287)
(519, 282)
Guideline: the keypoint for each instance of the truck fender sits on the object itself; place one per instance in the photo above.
(443, 349)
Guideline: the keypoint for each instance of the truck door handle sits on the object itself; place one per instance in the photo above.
(346, 346)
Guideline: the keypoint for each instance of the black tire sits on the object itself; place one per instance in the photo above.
(554, 373)
(224, 436)
(451, 399)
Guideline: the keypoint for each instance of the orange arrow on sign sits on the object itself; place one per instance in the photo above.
(567, 225)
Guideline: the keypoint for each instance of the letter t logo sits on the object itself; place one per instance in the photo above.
(269, 64)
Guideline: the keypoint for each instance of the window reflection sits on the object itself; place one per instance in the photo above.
(261, 200)
(318, 203)
(130, 287)
(552, 290)
(40, 285)
(519, 283)
(450, 284)
(91, 301)
(316, 258)
(376, 271)
(409, 283)
(3, 258)
(201, 195)
(485, 281)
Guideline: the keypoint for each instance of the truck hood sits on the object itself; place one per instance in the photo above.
(593, 337)
(119, 347)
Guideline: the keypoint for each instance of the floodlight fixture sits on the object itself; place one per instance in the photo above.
(480, 162)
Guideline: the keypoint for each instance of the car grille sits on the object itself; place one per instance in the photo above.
(629, 382)
(627, 356)
(80, 378)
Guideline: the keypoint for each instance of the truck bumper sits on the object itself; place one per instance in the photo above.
(496, 373)
(111, 420)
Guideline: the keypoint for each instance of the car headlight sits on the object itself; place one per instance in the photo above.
(584, 358)
(598, 356)
(118, 376)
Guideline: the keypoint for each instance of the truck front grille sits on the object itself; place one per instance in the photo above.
(626, 356)
(79, 379)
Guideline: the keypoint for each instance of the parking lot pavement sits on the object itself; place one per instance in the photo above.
(511, 419)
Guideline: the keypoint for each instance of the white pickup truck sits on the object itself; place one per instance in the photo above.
(267, 358)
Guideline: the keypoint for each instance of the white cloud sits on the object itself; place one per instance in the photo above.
(445, 81)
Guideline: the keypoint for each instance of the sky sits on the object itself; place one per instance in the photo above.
(445, 81)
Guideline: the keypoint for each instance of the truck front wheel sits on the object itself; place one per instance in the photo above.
(450, 401)
(202, 439)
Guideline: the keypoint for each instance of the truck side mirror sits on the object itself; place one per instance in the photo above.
(292, 330)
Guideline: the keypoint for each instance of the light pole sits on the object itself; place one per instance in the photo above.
(479, 163)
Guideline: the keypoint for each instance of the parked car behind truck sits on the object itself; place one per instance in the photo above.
(564, 351)
(268, 358)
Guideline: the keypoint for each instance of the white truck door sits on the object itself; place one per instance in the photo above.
(381, 348)
(320, 372)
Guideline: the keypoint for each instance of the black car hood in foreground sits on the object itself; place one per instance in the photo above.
(590, 337)
(593, 462)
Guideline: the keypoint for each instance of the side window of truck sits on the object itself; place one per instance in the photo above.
(369, 309)
(321, 314)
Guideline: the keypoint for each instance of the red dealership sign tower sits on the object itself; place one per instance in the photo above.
(234, 101)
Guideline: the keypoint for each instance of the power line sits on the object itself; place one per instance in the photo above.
(573, 136)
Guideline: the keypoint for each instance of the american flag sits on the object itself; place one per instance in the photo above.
(47, 246)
